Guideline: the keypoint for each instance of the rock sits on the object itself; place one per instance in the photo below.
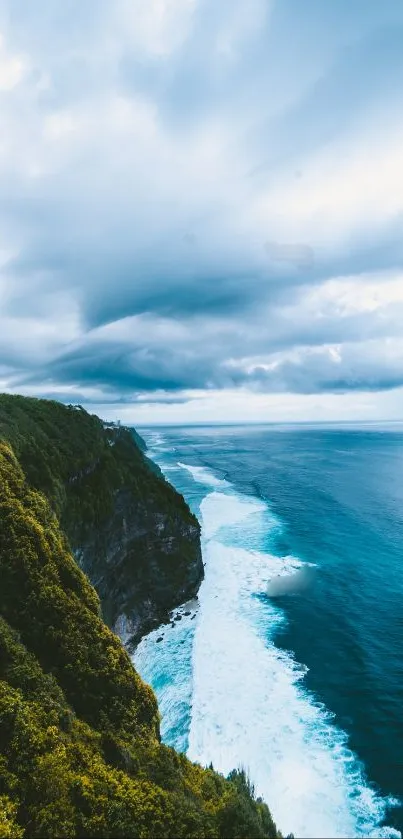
(145, 559)
(130, 531)
(178, 617)
(161, 638)
(187, 614)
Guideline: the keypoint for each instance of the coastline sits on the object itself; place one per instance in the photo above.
(211, 666)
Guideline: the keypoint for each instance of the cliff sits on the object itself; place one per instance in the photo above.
(130, 531)
(80, 751)
(79, 730)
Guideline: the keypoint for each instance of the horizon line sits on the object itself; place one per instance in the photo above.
(229, 424)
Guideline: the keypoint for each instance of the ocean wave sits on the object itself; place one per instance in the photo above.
(220, 510)
(164, 660)
(204, 476)
(249, 705)
(155, 439)
(228, 695)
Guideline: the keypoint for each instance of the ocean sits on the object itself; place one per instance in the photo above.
(291, 662)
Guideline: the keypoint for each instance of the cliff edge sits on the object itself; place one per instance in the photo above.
(80, 751)
(129, 530)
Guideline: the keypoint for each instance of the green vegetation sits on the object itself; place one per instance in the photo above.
(80, 752)
(80, 463)
(111, 503)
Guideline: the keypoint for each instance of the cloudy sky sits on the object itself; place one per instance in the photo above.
(201, 207)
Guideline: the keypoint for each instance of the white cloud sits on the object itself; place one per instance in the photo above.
(125, 161)
(242, 406)
(349, 367)
(59, 125)
(351, 187)
(346, 296)
(12, 68)
(156, 28)
(240, 24)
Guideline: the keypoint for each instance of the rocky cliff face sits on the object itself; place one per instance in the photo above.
(80, 750)
(130, 531)
(143, 562)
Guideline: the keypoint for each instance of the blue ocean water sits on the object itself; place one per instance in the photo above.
(305, 689)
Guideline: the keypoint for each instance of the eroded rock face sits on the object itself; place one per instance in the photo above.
(81, 753)
(128, 528)
(145, 558)
(143, 563)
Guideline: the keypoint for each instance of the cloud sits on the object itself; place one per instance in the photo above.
(240, 406)
(12, 68)
(194, 198)
(376, 366)
(341, 335)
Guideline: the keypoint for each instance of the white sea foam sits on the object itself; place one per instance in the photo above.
(167, 666)
(155, 439)
(219, 510)
(204, 476)
(248, 703)
(250, 707)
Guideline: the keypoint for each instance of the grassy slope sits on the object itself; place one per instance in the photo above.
(79, 738)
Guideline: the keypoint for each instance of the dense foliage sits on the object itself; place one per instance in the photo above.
(107, 494)
(79, 463)
(80, 753)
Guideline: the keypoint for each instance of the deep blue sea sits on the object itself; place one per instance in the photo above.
(301, 684)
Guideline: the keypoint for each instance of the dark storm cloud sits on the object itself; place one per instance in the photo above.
(114, 367)
(220, 183)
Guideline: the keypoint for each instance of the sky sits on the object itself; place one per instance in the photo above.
(201, 208)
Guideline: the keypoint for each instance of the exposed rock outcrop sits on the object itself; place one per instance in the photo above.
(129, 529)
(143, 563)
(80, 748)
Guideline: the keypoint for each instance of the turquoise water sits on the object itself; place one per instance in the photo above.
(304, 689)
